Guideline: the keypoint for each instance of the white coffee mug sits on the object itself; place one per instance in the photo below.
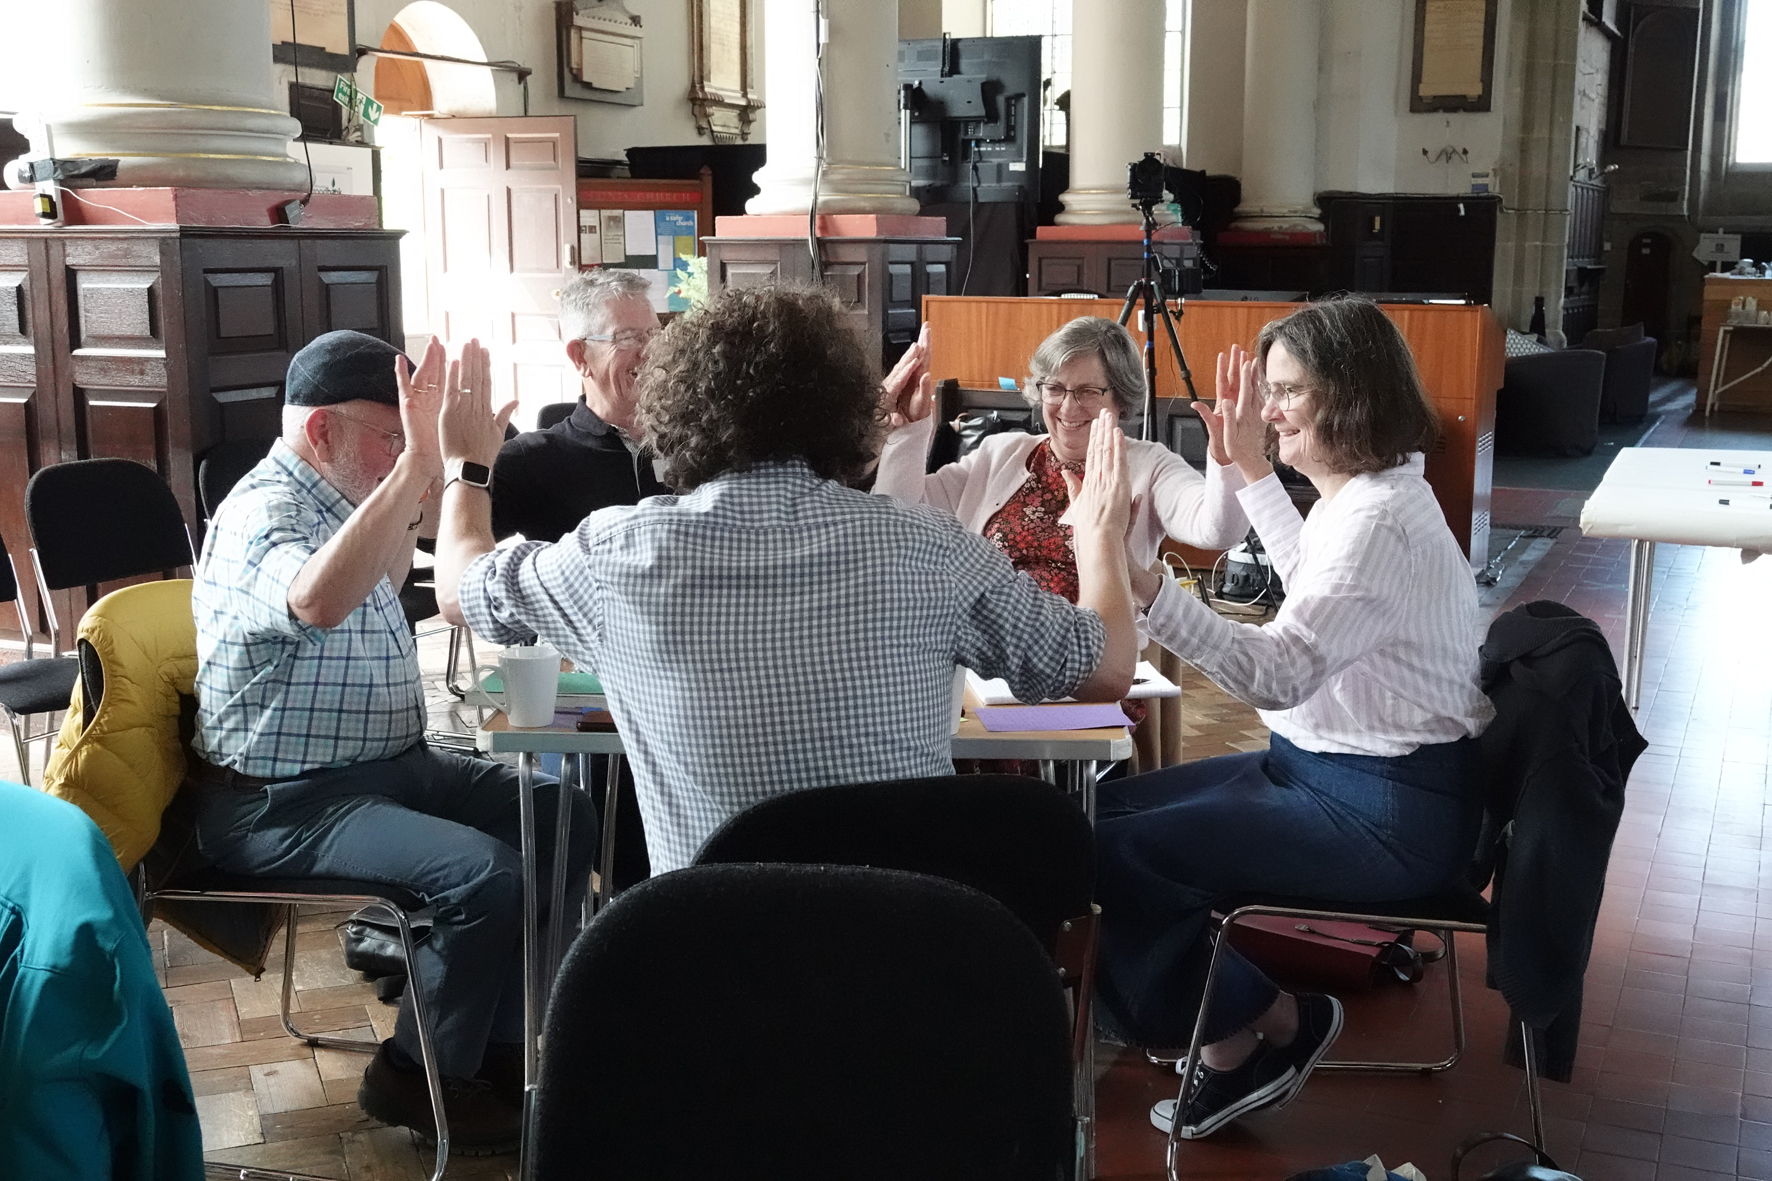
(531, 678)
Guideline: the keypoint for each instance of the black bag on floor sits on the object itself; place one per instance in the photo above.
(372, 942)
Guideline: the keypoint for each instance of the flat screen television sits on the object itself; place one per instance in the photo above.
(973, 99)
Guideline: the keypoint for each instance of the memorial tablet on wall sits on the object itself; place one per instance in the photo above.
(1454, 66)
(600, 52)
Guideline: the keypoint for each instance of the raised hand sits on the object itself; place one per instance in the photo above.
(1102, 497)
(908, 393)
(1235, 426)
(468, 428)
(421, 398)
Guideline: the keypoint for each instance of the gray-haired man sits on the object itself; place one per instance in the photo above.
(546, 482)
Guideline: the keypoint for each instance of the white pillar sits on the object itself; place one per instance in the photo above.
(178, 90)
(1280, 116)
(861, 172)
(1116, 104)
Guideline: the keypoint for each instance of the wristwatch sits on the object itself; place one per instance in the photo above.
(468, 472)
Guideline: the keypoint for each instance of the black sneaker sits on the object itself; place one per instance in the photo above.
(1217, 1097)
(480, 1123)
(1319, 1024)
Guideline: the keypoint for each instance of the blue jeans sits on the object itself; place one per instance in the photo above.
(1355, 828)
(439, 824)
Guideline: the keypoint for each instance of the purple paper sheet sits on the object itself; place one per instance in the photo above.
(1004, 718)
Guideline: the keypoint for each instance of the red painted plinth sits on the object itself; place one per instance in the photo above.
(833, 225)
(1114, 233)
(1272, 238)
(193, 207)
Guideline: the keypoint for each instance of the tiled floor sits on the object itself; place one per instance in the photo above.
(1674, 1077)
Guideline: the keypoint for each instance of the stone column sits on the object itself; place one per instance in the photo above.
(861, 172)
(1116, 104)
(178, 90)
(1280, 117)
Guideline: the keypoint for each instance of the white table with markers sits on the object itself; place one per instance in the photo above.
(1068, 758)
(1672, 496)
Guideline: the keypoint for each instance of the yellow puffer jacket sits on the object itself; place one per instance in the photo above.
(123, 765)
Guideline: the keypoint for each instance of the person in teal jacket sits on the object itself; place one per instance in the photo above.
(93, 1083)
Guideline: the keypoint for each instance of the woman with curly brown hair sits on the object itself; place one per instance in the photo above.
(1367, 679)
(770, 628)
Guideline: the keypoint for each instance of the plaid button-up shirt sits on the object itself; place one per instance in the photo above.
(276, 696)
(772, 631)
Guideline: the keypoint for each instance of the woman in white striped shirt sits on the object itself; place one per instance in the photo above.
(1367, 679)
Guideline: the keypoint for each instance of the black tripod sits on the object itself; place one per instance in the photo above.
(1155, 308)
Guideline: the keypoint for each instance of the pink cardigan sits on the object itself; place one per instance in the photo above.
(1168, 497)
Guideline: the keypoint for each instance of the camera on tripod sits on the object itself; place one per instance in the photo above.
(1144, 181)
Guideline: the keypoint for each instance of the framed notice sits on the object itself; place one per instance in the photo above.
(1454, 56)
(722, 84)
(323, 29)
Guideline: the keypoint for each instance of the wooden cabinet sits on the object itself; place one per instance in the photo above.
(879, 281)
(154, 344)
(1457, 348)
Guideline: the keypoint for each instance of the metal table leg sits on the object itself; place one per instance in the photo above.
(606, 856)
(1642, 577)
(557, 896)
(531, 948)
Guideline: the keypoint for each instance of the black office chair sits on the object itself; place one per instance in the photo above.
(771, 1021)
(552, 413)
(30, 687)
(223, 466)
(1018, 839)
(100, 520)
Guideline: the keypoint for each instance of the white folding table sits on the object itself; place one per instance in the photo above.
(1655, 495)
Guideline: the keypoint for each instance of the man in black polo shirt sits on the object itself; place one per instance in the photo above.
(546, 482)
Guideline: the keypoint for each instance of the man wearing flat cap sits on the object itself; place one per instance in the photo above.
(311, 718)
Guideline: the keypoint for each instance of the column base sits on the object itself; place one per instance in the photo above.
(1097, 207)
(842, 188)
(165, 144)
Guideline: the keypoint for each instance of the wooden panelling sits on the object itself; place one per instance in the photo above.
(244, 311)
(1459, 351)
(124, 424)
(532, 152)
(880, 281)
(535, 231)
(15, 302)
(353, 300)
(116, 309)
(153, 344)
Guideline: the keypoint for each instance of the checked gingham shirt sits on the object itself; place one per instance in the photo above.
(276, 696)
(772, 631)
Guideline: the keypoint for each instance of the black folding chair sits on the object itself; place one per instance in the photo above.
(223, 466)
(552, 413)
(773, 1021)
(100, 520)
(29, 687)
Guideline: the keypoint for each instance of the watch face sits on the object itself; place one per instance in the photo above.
(475, 473)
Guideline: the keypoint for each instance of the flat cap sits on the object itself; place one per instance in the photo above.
(342, 366)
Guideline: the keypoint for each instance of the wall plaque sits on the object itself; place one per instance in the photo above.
(721, 82)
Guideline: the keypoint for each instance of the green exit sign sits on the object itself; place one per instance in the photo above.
(370, 109)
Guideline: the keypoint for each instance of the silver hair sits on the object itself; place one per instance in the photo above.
(295, 422)
(1104, 338)
(587, 296)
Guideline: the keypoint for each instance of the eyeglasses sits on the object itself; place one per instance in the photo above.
(628, 338)
(394, 441)
(1282, 394)
(1087, 397)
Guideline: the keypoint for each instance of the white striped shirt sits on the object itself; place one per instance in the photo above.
(1374, 651)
